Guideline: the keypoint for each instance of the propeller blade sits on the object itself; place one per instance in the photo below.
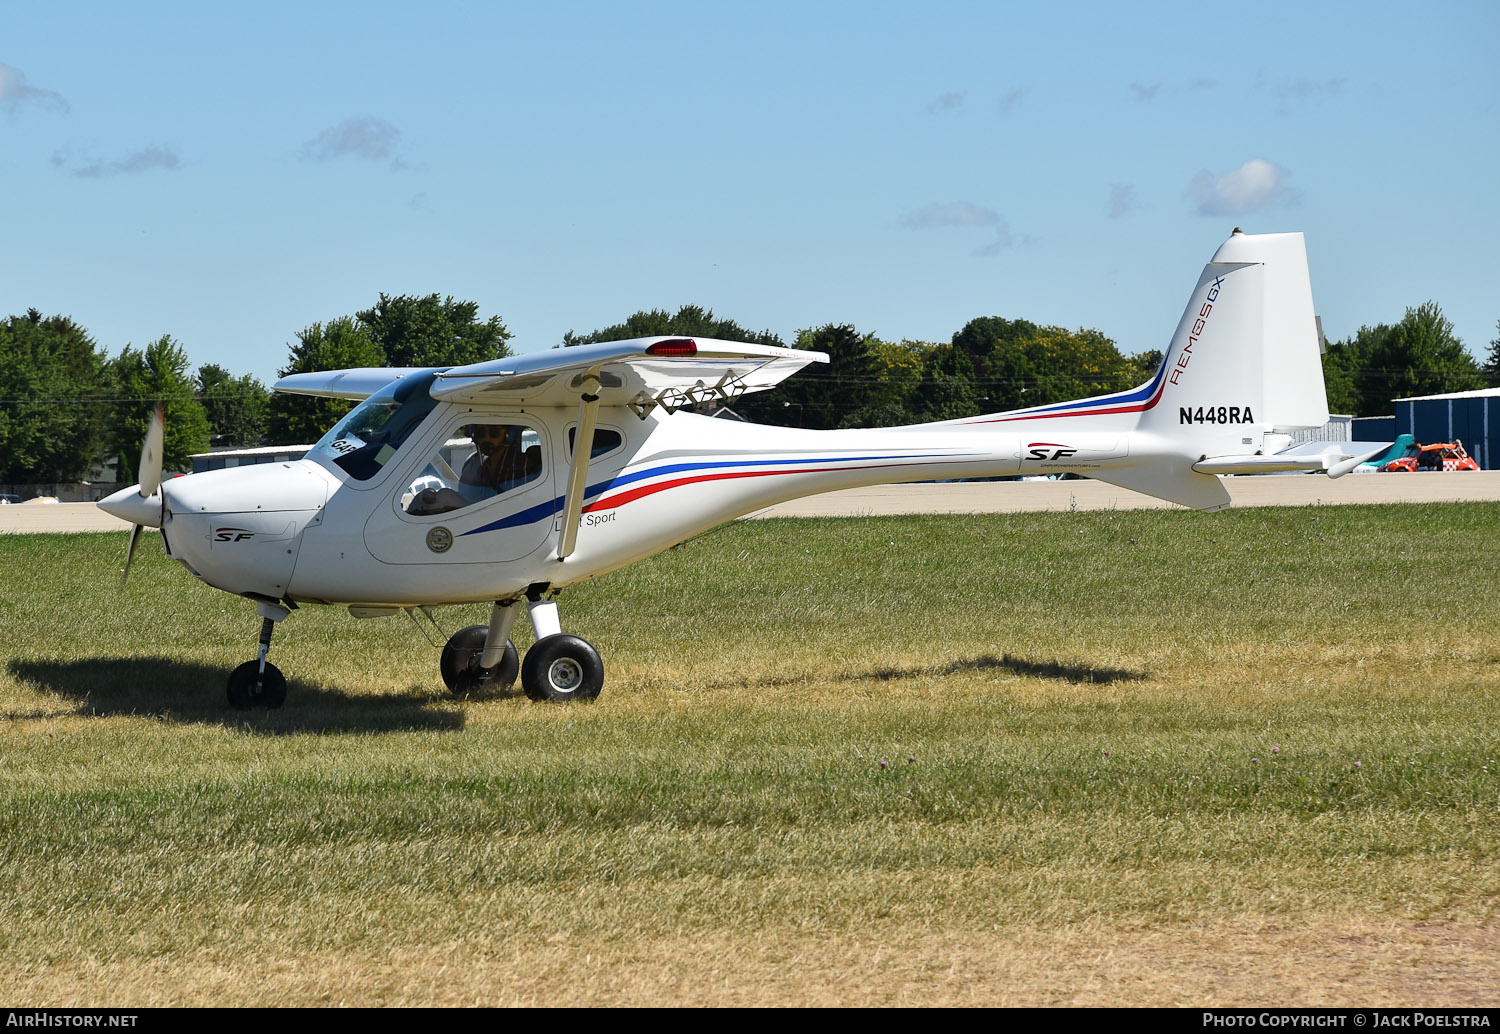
(129, 507)
(150, 468)
(135, 536)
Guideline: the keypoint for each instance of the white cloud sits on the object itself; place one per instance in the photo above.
(366, 138)
(1306, 89)
(955, 213)
(964, 214)
(15, 93)
(135, 162)
(1292, 95)
(945, 102)
(1122, 200)
(1253, 186)
(1013, 98)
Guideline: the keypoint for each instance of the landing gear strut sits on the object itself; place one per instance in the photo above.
(259, 683)
(558, 666)
(468, 665)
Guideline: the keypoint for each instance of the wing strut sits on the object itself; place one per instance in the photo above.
(583, 447)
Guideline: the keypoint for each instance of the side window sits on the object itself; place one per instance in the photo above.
(605, 441)
(488, 460)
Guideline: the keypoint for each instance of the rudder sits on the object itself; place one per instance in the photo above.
(1245, 359)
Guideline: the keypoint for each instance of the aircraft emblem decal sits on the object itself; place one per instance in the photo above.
(1048, 451)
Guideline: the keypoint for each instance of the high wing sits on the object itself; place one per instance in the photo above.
(358, 383)
(641, 373)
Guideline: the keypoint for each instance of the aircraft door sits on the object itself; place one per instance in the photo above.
(483, 493)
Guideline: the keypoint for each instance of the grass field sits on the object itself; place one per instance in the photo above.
(1143, 757)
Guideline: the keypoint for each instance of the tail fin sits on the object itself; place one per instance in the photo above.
(1245, 358)
(1244, 363)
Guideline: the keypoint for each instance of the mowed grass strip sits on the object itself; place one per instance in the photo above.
(969, 760)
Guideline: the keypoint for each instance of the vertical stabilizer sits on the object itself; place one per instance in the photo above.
(1244, 364)
(1246, 356)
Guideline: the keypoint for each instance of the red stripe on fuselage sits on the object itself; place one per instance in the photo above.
(1139, 408)
(639, 493)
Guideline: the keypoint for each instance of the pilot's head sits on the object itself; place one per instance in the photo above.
(490, 438)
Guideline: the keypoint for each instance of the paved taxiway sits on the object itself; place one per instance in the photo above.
(982, 497)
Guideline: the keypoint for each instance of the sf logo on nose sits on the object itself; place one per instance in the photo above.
(232, 535)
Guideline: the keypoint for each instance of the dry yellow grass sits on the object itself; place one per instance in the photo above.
(1248, 777)
(1314, 962)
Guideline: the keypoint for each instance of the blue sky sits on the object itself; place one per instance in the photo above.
(230, 173)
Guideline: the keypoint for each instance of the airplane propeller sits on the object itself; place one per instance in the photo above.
(150, 475)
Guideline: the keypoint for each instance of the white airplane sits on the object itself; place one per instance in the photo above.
(508, 481)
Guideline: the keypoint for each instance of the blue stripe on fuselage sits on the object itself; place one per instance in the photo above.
(1141, 394)
(554, 506)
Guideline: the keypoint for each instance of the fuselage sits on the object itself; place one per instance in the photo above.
(312, 531)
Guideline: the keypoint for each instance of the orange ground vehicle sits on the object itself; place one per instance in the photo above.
(1442, 456)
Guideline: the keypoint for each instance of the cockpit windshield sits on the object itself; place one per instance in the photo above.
(370, 435)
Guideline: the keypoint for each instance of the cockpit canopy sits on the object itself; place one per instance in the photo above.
(365, 440)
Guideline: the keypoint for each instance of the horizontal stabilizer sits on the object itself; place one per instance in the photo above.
(1332, 460)
(1338, 470)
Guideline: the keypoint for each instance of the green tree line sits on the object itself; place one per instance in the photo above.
(65, 404)
(1419, 355)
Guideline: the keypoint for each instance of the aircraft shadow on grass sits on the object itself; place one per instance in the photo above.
(1061, 670)
(182, 692)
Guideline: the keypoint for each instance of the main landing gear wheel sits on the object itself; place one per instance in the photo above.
(245, 694)
(460, 663)
(562, 667)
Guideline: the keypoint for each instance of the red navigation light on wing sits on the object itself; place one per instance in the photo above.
(677, 346)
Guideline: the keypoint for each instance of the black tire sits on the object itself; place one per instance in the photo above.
(562, 667)
(460, 668)
(242, 691)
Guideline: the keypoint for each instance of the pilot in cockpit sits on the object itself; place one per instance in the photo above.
(500, 461)
(499, 457)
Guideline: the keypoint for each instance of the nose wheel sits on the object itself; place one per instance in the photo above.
(251, 686)
(259, 683)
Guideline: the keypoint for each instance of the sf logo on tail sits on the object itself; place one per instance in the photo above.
(1048, 451)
